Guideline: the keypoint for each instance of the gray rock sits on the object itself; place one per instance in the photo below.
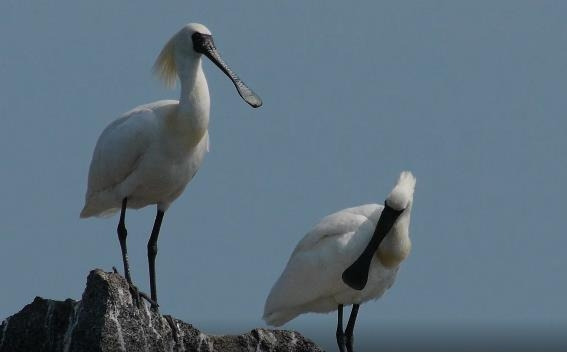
(108, 319)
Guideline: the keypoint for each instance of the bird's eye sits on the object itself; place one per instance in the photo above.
(201, 42)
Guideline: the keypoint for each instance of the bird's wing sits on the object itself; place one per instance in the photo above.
(120, 147)
(313, 270)
(339, 223)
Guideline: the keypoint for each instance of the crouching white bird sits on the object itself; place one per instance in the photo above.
(147, 156)
(350, 257)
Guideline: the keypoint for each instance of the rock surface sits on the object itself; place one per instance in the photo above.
(108, 319)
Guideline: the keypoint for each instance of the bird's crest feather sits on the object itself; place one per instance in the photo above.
(164, 67)
(402, 193)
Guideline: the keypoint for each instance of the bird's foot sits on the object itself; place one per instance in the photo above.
(137, 296)
(173, 327)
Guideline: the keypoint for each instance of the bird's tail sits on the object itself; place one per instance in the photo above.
(277, 319)
(402, 194)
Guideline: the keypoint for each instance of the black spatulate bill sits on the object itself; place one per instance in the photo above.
(356, 275)
(204, 44)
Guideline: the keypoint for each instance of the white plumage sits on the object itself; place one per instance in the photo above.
(311, 281)
(144, 157)
(149, 155)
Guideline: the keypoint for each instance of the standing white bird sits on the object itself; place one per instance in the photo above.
(350, 257)
(148, 155)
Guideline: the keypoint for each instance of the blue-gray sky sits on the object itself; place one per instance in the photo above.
(469, 95)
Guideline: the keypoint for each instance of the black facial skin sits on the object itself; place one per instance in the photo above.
(204, 44)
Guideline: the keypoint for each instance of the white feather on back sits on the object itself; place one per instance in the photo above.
(340, 222)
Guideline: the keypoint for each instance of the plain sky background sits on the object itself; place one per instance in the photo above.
(469, 95)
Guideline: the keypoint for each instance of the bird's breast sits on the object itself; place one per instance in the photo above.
(393, 250)
(185, 131)
(192, 138)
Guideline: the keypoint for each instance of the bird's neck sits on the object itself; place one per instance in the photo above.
(396, 246)
(194, 102)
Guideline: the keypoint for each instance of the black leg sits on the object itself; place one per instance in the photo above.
(122, 233)
(350, 327)
(152, 252)
(340, 334)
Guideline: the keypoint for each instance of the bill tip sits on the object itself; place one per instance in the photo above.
(254, 101)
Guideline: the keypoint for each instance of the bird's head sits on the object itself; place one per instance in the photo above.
(401, 197)
(189, 44)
